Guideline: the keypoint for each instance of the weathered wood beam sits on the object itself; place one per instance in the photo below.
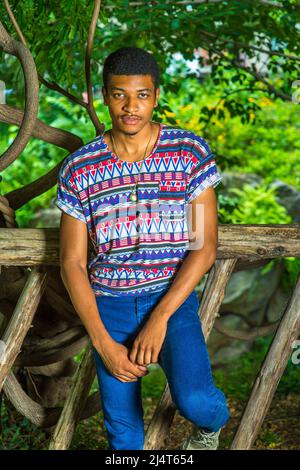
(26, 246)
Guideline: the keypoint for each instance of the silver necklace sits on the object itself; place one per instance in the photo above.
(133, 192)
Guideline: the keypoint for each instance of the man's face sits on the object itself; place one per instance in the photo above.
(130, 95)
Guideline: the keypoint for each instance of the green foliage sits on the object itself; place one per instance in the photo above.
(154, 383)
(248, 129)
(270, 438)
(252, 205)
(292, 266)
(225, 29)
(270, 148)
(237, 378)
(268, 145)
(18, 433)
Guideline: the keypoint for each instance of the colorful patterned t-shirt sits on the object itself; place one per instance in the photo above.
(136, 247)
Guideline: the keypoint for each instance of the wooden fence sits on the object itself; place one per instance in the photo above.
(37, 250)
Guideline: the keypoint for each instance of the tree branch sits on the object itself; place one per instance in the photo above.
(42, 131)
(248, 46)
(194, 2)
(52, 85)
(91, 110)
(62, 91)
(9, 45)
(259, 77)
(19, 197)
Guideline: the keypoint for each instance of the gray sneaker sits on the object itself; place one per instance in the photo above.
(202, 440)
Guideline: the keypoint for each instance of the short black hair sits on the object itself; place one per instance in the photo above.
(130, 61)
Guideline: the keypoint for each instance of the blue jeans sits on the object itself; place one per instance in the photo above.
(183, 358)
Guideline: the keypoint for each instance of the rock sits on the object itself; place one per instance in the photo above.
(222, 348)
(230, 353)
(237, 180)
(250, 290)
(289, 197)
(278, 304)
(45, 218)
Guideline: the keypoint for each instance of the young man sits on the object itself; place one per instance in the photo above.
(127, 192)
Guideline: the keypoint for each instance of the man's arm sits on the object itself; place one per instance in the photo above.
(73, 270)
(198, 261)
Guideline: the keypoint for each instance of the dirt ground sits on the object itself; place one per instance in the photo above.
(280, 429)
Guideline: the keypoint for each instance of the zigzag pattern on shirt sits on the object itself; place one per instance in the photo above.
(119, 229)
(127, 274)
(109, 171)
(170, 255)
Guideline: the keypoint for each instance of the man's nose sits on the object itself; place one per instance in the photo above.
(131, 104)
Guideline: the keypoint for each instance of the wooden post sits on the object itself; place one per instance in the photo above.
(75, 402)
(269, 375)
(21, 319)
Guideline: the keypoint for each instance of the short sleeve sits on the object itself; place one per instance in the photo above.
(204, 171)
(67, 198)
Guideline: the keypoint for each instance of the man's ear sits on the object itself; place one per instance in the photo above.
(103, 90)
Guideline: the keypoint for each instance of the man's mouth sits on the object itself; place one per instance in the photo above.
(130, 120)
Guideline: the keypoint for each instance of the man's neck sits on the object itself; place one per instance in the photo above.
(132, 146)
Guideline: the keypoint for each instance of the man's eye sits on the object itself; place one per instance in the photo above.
(116, 95)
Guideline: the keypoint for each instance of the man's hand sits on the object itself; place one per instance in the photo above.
(115, 358)
(147, 344)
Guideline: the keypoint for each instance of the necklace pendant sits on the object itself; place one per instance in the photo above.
(133, 197)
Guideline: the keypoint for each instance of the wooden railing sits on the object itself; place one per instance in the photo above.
(37, 250)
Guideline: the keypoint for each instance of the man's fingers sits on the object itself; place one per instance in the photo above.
(140, 359)
(148, 357)
(128, 376)
(137, 371)
(123, 378)
(133, 358)
(137, 355)
(133, 353)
